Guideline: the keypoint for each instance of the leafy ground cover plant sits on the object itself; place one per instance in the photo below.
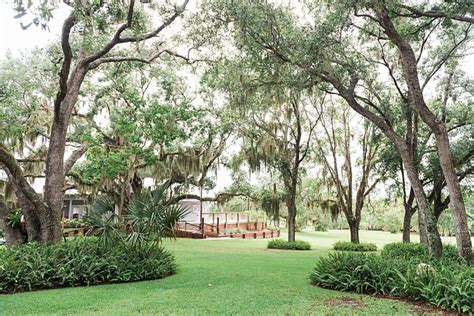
(448, 283)
(289, 245)
(80, 261)
(350, 246)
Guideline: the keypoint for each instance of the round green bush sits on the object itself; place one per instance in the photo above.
(350, 246)
(289, 245)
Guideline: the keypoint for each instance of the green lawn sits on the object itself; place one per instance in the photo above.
(219, 277)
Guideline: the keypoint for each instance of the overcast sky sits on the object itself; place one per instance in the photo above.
(14, 39)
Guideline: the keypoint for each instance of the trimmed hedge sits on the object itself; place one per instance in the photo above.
(80, 261)
(446, 283)
(350, 246)
(289, 245)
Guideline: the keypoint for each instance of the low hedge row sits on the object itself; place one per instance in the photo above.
(447, 283)
(290, 245)
(350, 246)
(80, 261)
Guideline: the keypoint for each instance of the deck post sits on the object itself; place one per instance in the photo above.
(238, 221)
(218, 226)
(213, 219)
(202, 227)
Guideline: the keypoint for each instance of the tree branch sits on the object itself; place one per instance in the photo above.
(435, 14)
(75, 155)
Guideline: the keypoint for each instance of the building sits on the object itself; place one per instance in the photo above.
(194, 207)
(74, 206)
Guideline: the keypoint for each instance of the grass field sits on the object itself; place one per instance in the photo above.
(215, 277)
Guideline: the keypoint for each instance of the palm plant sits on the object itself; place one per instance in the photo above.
(151, 217)
(103, 220)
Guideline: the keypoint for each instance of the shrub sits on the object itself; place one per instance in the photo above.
(392, 222)
(418, 252)
(350, 246)
(320, 227)
(290, 245)
(444, 284)
(399, 250)
(357, 272)
(80, 261)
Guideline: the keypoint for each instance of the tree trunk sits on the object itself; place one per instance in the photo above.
(29, 201)
(55, 172)
(456, 204)
(426, 214)
(32, 221)
(291, 219)
(407, 223)
(53, 188)
(422, 230)
(354, 228)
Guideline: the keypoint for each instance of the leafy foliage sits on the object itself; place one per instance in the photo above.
(80, 261)
(13, 219)
(448, 284)
(350, 246)
(290, 245)
(320, 226)
(392, 222)
(73, 223)
(415, 251)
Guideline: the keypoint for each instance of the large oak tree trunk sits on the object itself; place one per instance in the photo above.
(55, 172)
(53, 188)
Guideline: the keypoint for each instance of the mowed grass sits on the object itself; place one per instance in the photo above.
(216, 277)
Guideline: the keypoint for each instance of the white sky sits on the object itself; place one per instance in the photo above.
(14, 39)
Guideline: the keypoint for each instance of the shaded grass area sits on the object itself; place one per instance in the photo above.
(215, 277)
